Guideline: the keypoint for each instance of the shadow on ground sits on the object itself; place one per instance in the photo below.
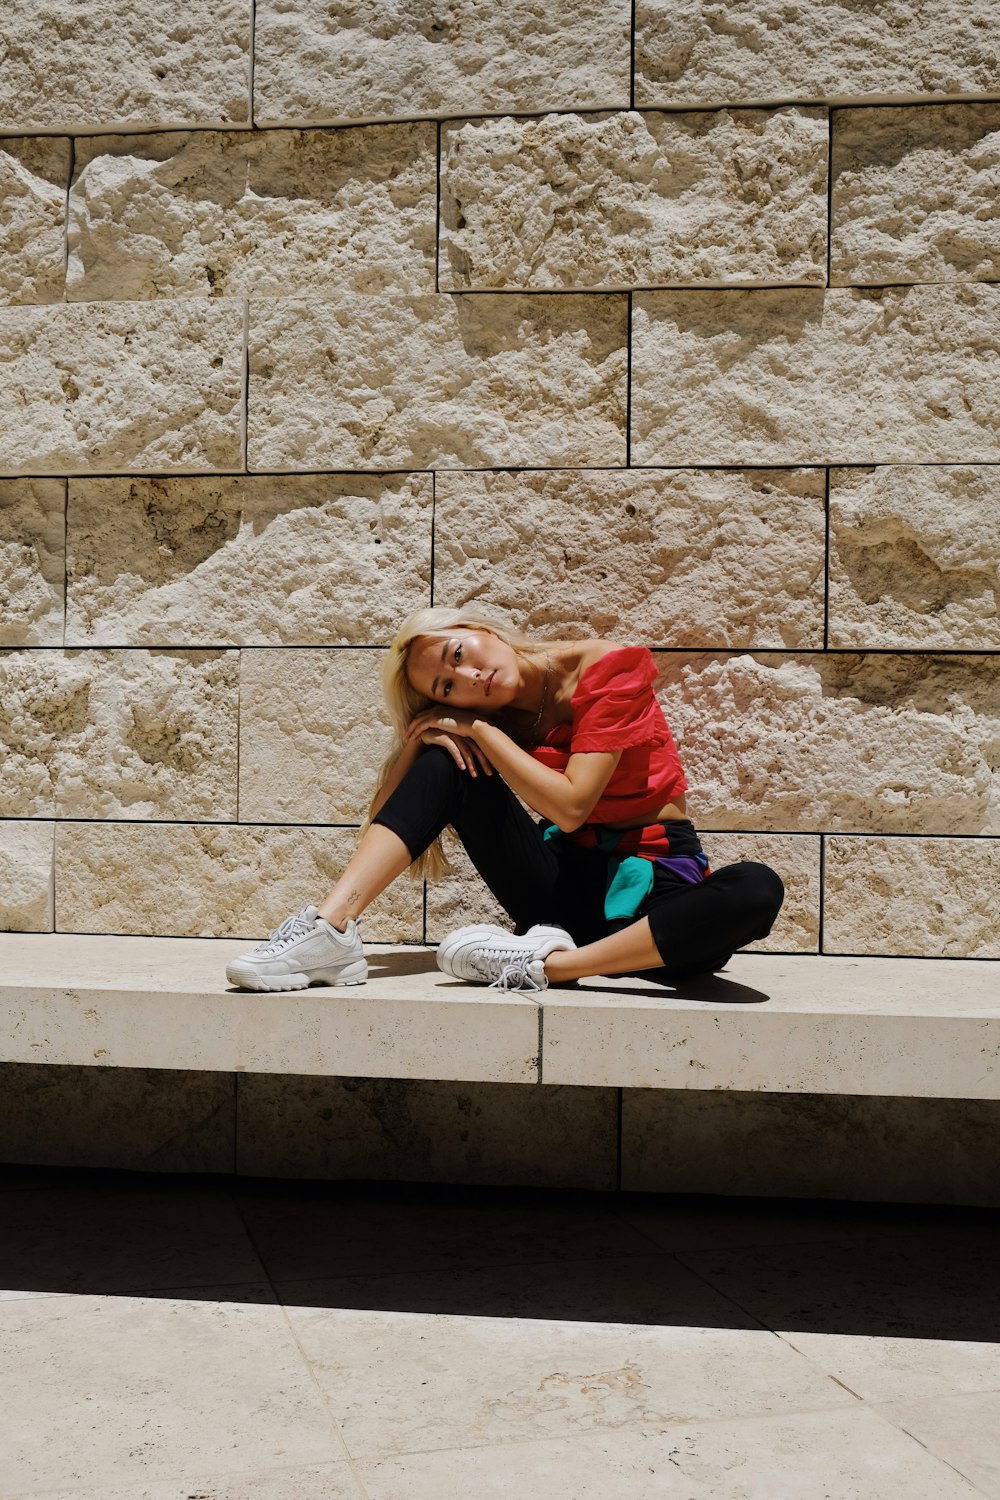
(497, 1253)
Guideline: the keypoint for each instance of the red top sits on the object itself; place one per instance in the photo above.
(614, 708)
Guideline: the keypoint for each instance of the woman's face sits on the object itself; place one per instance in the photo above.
(465, 669)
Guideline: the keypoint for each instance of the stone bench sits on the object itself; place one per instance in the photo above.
(788, 1075)
(917, 1028)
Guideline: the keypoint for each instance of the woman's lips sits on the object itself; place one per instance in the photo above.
(489, 681)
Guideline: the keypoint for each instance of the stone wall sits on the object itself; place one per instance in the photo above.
(678, 323)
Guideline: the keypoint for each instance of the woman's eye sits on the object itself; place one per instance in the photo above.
(447, 689)
(458, 655)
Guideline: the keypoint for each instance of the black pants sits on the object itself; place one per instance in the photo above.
(696, 928)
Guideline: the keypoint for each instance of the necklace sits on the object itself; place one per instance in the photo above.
(545, 697)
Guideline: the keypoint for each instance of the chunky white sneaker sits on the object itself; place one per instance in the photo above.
(490, 955)
(304, 950)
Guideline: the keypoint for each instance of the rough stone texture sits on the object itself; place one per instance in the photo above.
(224, 214)
(437, 381)
(305, 560)
(210, 881)
(811, 1146)
(796, 858)
(935, 898)
(880, 744)
(34, 176)
(67, 67)
(915, 194)
(884, 376)
(635, 200)
(415, 1131)
(697, 52)
(99, 734)
(461, 897)
(680, 558)
(129, 1119)
(313, 730)
(26, 877)
(365, 60)
(112, 386)
(32, 561)
(915, 557)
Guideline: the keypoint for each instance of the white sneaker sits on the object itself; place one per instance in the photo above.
(490, 955)
(304, 950)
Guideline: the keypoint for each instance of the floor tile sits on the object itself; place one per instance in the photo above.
(840, 1455)
(653, 1289)
(101, 1237)
(684, 1221)
(962, 1430)
(333, 1481)
(99, 1391)
(886, 1369)
(400, 1384)
(931, 1285)
(332, 1230)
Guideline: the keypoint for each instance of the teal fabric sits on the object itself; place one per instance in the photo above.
(630, 879)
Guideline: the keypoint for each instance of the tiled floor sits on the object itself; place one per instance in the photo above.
(164, 1339)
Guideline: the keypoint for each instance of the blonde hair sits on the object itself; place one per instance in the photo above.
(404, 702)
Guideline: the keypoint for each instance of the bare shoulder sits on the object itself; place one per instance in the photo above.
(591, 651)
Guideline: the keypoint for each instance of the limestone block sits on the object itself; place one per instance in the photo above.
(77, 68)
(635, 199)
(26, 876)
(224, 214)
(32, 561)
(880, 744)
(687, 557)
(209, 880)
(128, 1119)
(313, 732)
(437, 382)
(914, 194)
(98, 734)
(403, 1130)
(113, 386)
(796, 857)
(34, 176)
(810, 1146)
(365, 60)
(933, 898)
(915, 557)
(896, 375)
(313, 559)
(697, 52)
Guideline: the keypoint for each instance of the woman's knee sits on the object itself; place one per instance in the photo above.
(761, 889)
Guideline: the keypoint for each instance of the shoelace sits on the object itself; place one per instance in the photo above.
(515, 976)
(291, 928)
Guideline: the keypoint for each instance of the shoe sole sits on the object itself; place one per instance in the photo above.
(355, 973)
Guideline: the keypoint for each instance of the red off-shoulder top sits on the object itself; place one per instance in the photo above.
(614, 708)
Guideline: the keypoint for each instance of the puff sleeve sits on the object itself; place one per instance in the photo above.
(614, 707)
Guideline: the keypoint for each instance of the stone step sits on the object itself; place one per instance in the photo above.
(770, 1022)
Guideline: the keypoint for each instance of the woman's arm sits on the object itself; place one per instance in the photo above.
(567, 797)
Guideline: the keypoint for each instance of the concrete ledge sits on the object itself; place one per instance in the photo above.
(164, 1003)
(774, 1023)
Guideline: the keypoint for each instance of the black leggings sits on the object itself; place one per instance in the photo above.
(696, 928)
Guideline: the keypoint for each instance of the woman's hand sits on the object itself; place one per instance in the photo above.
(463, 750)
(458, 722)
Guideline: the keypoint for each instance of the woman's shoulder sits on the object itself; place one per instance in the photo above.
(606, 663)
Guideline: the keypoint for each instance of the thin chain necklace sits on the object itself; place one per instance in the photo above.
(545, 697)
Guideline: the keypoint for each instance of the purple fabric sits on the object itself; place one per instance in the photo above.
(686, 867)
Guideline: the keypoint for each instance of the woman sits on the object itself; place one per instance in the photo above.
(610, 880)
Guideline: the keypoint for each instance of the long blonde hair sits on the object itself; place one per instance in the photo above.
(404, 702)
